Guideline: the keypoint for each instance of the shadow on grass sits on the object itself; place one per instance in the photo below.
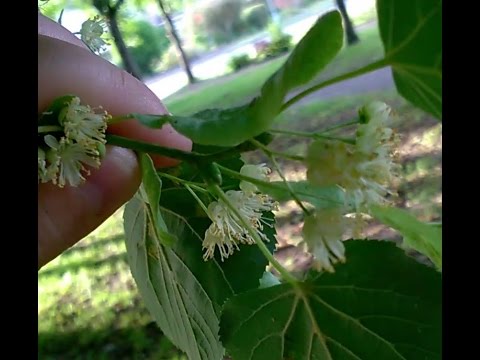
(434, 157)
(132, 343)
(74, 267)
(95, 245)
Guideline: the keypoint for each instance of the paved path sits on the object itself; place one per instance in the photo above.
(215, 63)
(379, 80)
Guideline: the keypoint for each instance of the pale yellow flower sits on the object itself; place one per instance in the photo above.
(365, 170)
(227, 231)
(82, 125)
(259, 172)
(322, 237)
(68, 160)
(91, 33)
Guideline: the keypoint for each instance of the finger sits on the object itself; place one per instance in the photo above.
(50, 28)
(67, 69)
(67, 215)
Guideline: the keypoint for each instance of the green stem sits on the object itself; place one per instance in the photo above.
(345, 124)
(200, 202)
(258, 144)
(265, 184)
(293, 133)
(49, 128)
(253, 233)
(239, 176)
(279, 154)
(196, 186)
(269, 154)
(289, 156)
(255, 181)
(117, 119)
(312, 135)
(192, 157)
(153, 149)
(368, 68)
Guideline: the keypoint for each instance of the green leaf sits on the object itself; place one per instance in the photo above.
(419, 236)
(245, 268)
(50, 115)
(207, 127)
(380, 305)
(411, 32)
(220, 279)
(171, 292)
(320, 197)
(177, 199)
(179, 202)
(230, 127)
(268, 280)
(152, 121)
(210, 274)
(311, 55)
(151, 185)
(150, 190)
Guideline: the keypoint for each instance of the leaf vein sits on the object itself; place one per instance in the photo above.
(354, 321)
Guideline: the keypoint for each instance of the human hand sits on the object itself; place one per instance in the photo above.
(66, 66)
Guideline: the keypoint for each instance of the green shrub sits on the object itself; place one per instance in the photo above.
(170, 58)
(146, 43)
(193, 31)
(238, 62)
(221, 20)
(277, 47)
(275, 31)
(255, 17)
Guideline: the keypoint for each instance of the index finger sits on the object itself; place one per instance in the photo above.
(67, 67)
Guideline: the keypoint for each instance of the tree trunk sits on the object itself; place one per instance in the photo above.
(175, 40)
(128, 62)
(352, 37)
(272, 10)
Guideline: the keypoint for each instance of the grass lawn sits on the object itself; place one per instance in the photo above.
(239, 88)
(89, 308)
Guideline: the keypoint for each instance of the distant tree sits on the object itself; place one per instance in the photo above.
(352, 37)
(175, 40)
(110, 11)
(146, 42)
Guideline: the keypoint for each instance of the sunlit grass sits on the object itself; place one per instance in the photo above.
(237, 89)
(89, 307)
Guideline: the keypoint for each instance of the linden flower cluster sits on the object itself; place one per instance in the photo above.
(322, 237)
(226, 231)
(62, 160)
(91, 34)
(364, 171)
